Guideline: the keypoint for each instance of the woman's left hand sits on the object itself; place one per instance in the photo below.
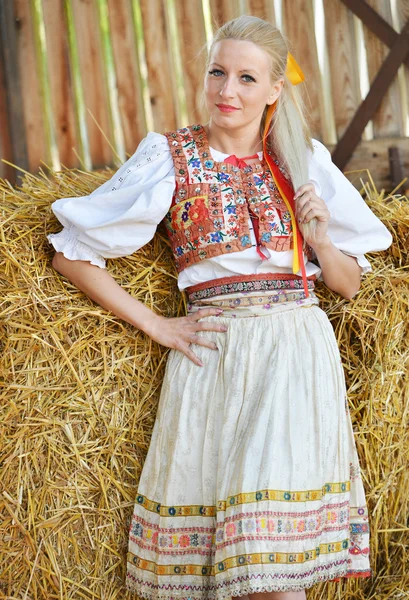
(308, 206)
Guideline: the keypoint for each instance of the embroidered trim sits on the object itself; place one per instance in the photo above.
(265, 526)
(266, 301)
(251, 277)
(243, 498)
(256, 558)
(150, 572)
(247, 283)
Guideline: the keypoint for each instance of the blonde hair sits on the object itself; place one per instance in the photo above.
(289, 132)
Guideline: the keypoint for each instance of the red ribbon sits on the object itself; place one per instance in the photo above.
(288, 190)
(238, 162)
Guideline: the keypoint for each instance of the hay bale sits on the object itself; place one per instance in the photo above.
(80, 388)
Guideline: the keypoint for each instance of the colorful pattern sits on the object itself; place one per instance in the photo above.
(261, 525)
(192, 212)
(222, 528)
(253, 301)
(225, 197)
(259, 496)
(267, 302)
(246, 559)
(246, 283)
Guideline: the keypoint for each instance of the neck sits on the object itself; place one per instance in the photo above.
(240, 141)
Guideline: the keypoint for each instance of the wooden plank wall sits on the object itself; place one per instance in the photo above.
(68, 112)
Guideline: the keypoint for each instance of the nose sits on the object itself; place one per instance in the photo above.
(228, 89)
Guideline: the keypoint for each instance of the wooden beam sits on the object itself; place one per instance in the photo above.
(221, 12)
(127, 72)
(353, 134)
(374, 22)
(11, 73)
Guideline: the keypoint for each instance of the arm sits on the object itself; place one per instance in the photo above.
(101, 287)
(347, 226)
(117, 219)
(340, 272)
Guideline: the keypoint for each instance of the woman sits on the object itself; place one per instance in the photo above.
(252, 482)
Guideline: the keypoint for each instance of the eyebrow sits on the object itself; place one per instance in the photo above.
(241, 71)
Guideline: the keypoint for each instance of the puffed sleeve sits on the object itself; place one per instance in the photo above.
(122, 214)
(353, 228)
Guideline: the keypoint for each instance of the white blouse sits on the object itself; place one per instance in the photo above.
(121, 216)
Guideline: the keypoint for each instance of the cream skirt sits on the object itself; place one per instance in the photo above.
(252, 481)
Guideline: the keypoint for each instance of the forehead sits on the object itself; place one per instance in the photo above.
(240, 55)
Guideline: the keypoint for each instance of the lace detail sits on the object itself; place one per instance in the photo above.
(65, 241)
(238, 586)
(139, 159)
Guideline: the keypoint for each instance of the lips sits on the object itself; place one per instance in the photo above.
(226, 108)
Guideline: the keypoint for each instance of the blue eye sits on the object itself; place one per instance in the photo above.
(215, 71)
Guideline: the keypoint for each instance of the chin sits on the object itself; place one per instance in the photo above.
(225, 119)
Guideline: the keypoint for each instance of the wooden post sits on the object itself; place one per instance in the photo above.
(6, 172)
(395, 167)
(13, 96)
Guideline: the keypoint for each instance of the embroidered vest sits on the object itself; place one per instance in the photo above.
(213, 202)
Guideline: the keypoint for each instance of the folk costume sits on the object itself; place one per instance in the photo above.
(252, 480)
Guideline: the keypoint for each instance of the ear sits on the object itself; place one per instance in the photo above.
(276, 89)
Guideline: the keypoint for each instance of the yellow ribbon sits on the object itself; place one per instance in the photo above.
(296, 76)
(293, 70)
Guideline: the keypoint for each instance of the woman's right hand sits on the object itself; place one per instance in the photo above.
(180, 332)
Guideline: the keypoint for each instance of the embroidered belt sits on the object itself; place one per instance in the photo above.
(248, 283)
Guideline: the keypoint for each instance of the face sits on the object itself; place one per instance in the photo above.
(238, 85)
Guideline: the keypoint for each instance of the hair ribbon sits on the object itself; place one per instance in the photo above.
(293, 70)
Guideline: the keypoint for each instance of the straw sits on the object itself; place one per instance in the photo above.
(79, 393)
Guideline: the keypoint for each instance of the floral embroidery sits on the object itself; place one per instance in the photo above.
(265, 525)
(230, 209)
(198, 210)
(183, 215)
(354, 471)
(217, 236)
